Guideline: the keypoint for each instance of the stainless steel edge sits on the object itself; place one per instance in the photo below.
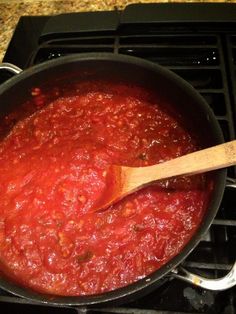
(231, 183)
(219, 284)
(10, 68)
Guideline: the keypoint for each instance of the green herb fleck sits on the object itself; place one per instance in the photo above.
(85, 257)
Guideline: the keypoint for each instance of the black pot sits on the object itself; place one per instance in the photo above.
(181, 95)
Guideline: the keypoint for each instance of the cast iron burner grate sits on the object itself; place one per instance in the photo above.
(201, 51)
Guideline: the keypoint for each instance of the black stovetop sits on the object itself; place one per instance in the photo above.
(198, 42)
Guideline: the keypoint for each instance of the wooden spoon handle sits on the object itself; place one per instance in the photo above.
(220, 156)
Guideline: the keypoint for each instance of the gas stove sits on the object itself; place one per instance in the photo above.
(196, 41)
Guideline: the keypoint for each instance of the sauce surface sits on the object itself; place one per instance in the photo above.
(53, 168)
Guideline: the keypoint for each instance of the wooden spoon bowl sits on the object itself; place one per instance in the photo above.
(123, 181)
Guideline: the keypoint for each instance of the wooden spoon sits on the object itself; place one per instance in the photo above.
(126, 180)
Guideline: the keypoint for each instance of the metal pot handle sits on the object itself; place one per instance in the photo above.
(219, 284)
(10, 67)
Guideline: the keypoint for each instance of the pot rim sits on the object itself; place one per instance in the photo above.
(164, 270)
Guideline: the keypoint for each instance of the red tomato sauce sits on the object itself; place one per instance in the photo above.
(53, 167)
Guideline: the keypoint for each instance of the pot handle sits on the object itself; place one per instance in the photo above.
(218, 284)
(10, 68)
